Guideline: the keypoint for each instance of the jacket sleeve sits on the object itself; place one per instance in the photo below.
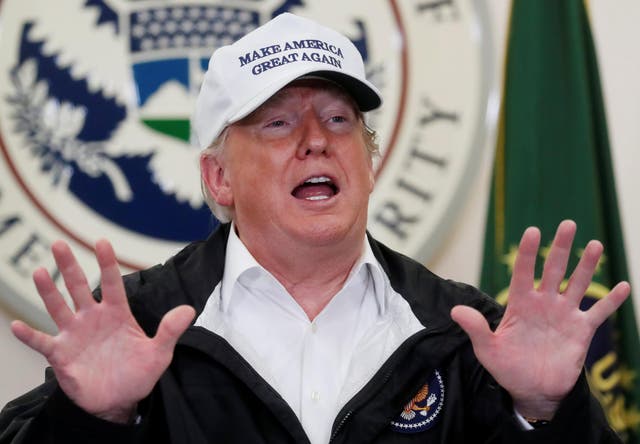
(578, 419)
(45, 415)
(17, 416)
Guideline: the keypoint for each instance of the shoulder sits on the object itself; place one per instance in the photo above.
(188, 277)
(430, 296)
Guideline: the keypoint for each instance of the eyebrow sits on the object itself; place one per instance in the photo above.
(284, 93)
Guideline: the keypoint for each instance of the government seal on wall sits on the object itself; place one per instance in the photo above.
(95, 101)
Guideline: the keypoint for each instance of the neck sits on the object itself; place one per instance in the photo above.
(311, 274)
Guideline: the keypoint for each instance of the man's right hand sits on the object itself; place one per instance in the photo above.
(102, 359)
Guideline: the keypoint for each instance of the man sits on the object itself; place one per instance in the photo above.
(291, 324)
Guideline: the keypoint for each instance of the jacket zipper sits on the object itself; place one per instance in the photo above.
(342, 421)
(347, 415)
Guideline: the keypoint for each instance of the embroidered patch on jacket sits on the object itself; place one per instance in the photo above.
(423, 410)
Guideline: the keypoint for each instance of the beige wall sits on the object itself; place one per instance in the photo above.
(616, 30)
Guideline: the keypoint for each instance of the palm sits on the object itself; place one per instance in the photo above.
(538, 350)
(554, 340)
(101, 357)
(92, 353)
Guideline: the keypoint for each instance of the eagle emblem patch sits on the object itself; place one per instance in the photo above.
(421, 412)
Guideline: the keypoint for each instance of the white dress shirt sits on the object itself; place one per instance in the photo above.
(316, 366)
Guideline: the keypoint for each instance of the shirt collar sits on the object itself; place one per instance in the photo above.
(239, 260)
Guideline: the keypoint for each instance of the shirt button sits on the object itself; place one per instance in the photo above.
(315, 396)
(314, 327)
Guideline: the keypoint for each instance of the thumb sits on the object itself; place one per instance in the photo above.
(173, 324)
(473, 323)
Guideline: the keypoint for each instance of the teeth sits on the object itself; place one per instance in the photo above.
(317, 198)
(321, 179)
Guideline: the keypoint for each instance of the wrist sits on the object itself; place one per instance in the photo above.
(536, 423)
(125, 415)
(536, 411)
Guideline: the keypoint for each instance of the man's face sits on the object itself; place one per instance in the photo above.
(297, 168)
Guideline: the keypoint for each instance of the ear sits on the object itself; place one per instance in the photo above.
(215, 179)
(372, 176)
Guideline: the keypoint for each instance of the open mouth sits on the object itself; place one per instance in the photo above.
(316, 188)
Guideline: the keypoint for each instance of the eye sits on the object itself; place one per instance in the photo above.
(338, 114)
(276, 124)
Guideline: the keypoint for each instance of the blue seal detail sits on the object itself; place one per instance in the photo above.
(422, 411)
(126, 161)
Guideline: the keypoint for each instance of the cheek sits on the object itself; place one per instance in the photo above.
(256, 177)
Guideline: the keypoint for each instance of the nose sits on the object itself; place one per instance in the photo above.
(314, 138)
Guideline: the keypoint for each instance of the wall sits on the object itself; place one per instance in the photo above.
(615, 29)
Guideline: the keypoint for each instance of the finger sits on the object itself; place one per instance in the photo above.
(53, 300)
(605, 307)
(555, 265)
(173, 324)
(110, 279)
(74, 278)
(525, 264)
(32, 338)
(474, 324)
(582, 275)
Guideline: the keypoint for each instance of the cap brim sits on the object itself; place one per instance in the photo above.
(366, 96)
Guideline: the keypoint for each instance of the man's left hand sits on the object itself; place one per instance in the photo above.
(538, 350)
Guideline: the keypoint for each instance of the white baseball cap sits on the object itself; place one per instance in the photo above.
(244, 75)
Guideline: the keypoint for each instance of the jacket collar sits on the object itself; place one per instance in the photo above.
(417, 284)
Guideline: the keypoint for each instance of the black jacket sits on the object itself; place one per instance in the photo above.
(210, 394)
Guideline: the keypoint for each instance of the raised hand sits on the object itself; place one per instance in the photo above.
(538, 350)
(102, 359)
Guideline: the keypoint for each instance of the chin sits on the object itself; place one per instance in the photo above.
(323, 232)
